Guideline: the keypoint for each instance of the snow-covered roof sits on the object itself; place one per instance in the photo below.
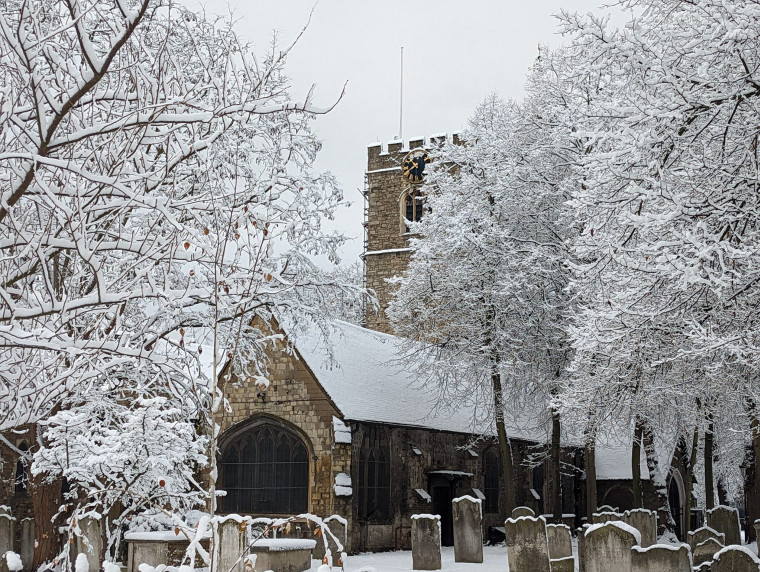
(366, 382)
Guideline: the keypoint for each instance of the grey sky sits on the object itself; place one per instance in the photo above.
(455, 53)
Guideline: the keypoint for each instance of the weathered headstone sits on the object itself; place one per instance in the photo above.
(607, 508)
(566, 564)
(426, 542)
(560, 541)
(607, 516)
(527, 546)
(7, 532)
(26, 545)
(661, 558)
(152, 553)
(90, 542)
(608, 546)
(735, 559)
(338, 526)
(757, 534)
(701, 534)
(522, 511)
(645, 521)
(704, 551)
(468, 529)
(231, 544)
(704, 567)
(580, 534)
(725, 519)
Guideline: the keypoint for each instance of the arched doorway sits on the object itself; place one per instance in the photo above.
(264, 468)
(676, 502)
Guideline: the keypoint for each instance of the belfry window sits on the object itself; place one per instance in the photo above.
(265, 470)
(413, 208)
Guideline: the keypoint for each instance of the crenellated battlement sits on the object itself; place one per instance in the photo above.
(386, 155)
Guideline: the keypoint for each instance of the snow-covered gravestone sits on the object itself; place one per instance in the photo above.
(735, 559)
(339, 528)
(606, 516)
(726, 520)
(581, 536)
(704, 551)
(645, 521)
(90, 542)
(468, 529)
(607, 546)
(701, 534)
(527, 545)
(426, 542)
(10, 562)
(560, 541)
(519, 511)
(231, 543)
(661, 558)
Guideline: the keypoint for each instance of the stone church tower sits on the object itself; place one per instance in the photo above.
(393, 196)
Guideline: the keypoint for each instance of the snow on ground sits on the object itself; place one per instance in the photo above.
(494, 558)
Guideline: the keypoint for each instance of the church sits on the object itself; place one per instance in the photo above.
(346, 431)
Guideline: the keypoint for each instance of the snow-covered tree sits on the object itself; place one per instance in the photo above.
(667, 279)
(158, 210)
(484, 289)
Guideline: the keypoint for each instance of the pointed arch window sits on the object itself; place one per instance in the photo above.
(22, 473)
(412, 208)
(491, 479)
(265, 470)
(374, 480)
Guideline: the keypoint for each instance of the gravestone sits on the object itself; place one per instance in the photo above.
(560, 541)
(735, 559)
(26, 543)
(607, 516)
(757, 535)
(661, 558)
(231, 544)
(701, 534)
(607, 508)
(704, 567)
(90, 542)
(608, 546)
(338, 526)
(468, 529)
(566, 564)
(7, 532)
(152, 553)
(704, 551)
(726, 520)
(426, 542)
(645, 521)
(527, 545)
(580, 534)
(522, 511)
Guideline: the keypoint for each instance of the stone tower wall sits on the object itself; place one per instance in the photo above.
(387, 253)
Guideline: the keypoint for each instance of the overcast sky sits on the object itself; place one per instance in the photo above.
(455, 53)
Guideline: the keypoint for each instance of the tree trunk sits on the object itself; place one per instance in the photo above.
(722, 492)
(638, 434)
(556, 472)
(709, 482)
(689, 484)
(46, 499)
(504, 444)
(658, 488)
(590, 465)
